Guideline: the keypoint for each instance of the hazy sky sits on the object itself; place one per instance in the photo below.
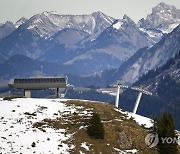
(13, 10)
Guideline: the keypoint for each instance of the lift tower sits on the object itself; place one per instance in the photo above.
(141, 91)
(119, 86)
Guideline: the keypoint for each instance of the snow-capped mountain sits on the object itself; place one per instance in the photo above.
(20, 22)
(47, 24)
(163, 19)
(31, 38)
(6, 29)
(94, 42)
(148, 58)
(112, 47)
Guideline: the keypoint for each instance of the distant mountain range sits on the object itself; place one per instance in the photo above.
(90, 44)
(22, 66)
(147, 59)
(31, 38)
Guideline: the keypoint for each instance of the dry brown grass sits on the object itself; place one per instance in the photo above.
(112, 128)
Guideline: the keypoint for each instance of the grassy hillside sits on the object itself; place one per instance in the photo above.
(115, 124)
(60, 126)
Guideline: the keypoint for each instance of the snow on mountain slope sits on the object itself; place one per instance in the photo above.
(162, 15)
(112, 47)
(117, 25)
(20, 22)
(34, 37)
(94, 42)
(163, 19)
(29, 125)
(47, 24)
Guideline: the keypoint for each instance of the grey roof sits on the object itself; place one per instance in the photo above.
(39, 83)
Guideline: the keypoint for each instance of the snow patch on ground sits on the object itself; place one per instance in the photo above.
(146, 122)
(85, 145)
(133, 151)
(17, 134)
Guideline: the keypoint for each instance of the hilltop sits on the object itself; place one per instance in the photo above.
(60, 126)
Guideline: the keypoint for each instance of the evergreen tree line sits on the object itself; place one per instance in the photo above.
(164, 126)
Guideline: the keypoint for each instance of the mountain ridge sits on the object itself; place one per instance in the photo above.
(148, 58)
(98, 41)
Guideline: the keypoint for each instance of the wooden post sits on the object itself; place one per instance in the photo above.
(57, 92)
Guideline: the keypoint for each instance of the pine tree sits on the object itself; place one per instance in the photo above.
(165, 128)
(96, 127)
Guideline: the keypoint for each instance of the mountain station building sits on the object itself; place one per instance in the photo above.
(42, 83)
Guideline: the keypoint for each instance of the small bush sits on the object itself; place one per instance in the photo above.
(33, 144)
(96, 127)
(30, 114)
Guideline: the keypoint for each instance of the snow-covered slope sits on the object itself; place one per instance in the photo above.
(29, 125)
(17, 133)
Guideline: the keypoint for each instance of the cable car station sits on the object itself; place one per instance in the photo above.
(28, 84)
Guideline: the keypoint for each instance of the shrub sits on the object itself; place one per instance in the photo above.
(33, 144)
(96, 127)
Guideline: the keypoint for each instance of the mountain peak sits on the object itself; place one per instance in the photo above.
(163, 6)
(164, 17)
(166, 11)
(127, 19)
(20, 22)
(102, 16)
(8, 23)
(118, 24)
(47, 13)
(98, 13)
